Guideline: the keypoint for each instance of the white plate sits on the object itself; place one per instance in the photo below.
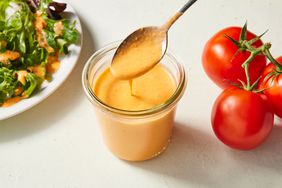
(67, 64)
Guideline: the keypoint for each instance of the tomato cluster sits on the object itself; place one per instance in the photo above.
(243, 114)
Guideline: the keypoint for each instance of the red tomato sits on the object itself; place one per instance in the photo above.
(223, 65)
(273, 87)
(242, 119)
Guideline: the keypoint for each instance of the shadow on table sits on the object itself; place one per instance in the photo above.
(185, 157)
(268, 155)
(193, 154)
(64, 100)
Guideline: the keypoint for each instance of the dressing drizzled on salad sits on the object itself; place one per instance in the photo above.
(33, 35)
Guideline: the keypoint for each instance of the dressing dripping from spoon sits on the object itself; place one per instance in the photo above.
(143, 49)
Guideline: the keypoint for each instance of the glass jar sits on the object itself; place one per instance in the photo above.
(134, 135)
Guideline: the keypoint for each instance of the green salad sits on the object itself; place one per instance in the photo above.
(33, 35)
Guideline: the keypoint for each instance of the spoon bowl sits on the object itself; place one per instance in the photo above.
(139, 52)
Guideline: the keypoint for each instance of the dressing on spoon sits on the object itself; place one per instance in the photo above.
(143, 49)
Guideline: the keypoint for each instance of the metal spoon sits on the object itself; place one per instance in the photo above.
(143, 49)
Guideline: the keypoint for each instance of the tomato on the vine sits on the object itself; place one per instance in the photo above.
(271, 84)
(222, 61)
(242, 119)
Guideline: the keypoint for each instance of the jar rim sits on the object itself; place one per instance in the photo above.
(171, 102)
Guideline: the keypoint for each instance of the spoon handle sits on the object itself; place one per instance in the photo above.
(186, 6)
(179, 13)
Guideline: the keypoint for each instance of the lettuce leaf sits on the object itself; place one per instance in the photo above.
(32, 83)
(8, 83)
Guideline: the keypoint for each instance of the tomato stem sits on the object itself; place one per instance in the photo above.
(269, 56)
(245, 65)
(247, 45)
(254, 52)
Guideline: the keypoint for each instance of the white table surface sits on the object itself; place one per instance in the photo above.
(57, 144)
